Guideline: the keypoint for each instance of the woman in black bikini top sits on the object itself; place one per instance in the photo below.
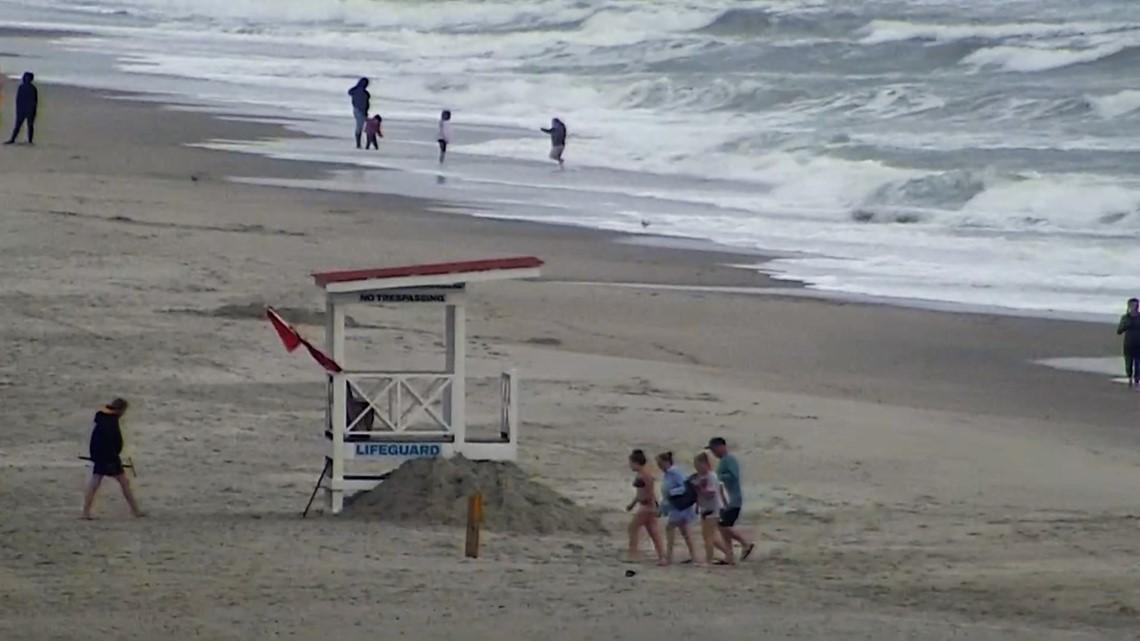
(646, 514)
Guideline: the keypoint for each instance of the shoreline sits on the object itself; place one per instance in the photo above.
(319, 175)
(690, 267)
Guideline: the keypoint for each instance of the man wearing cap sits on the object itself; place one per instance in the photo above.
(728, 471)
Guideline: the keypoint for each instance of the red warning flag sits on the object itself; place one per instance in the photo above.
(289, 336)
(292, 339)
(329, 364)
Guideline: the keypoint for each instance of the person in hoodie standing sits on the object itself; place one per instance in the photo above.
(1129, 327)
(444, 135)
(27, 103)
(361, 103)
(557, 133)
(106, 451)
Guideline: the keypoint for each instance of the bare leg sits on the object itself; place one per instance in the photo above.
(726, 541)
(670, 540)
(89, 495)
(634, 542)
(655, 535)
(709, 534)
(125, 486)
(731, 535)
(687, 534)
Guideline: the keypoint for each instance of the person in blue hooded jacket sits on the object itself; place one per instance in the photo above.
(361, 104)
(27, 104)
(678, 516)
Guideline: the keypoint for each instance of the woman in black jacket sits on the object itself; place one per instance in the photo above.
(105, 451)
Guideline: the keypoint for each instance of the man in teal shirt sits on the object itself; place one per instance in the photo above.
(728, 471)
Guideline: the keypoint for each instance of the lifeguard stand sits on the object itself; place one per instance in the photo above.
(370, 413)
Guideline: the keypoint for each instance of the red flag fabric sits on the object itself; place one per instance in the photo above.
(289, 336)
(329, 364)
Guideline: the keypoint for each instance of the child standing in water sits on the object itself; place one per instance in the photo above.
(372, 131)
(444, 136)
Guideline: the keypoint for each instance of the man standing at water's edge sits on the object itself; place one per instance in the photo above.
(1129, 326)
(27, 104)
(361, 103)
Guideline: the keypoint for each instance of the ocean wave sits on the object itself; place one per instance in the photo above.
(1036, 59)
(918, 199)
(1072, 203)
(764, 21)
(1117, 104)
(884, 31)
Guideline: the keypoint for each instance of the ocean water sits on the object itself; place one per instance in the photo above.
(962, 151)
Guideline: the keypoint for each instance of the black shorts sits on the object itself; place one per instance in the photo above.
(442, 145)
(728, 517)
(108, 468)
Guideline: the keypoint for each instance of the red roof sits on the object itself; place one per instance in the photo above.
(436, 269)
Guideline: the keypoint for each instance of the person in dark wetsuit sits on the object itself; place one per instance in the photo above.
(27, 104)
(105, 449)
(1129, 326)
(557, 133)
(361, 103)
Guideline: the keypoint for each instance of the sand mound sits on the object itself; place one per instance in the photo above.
(435, 491)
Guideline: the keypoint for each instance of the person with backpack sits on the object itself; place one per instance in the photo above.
(679, 505)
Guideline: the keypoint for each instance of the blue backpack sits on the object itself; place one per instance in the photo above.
(687, 499)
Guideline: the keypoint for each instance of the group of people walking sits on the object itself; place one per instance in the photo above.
(369, 126)
(712, 498)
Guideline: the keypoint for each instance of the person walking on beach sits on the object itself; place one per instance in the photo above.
(710, 502)
(1129, 326)
(557, 133)
(644, 508)
(27, 103)
(361, 103)
(444, 135)
(372, 132)
(728, 471)
(678, 505)
(105, 450)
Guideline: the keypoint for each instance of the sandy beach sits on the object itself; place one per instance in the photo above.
(909, 474)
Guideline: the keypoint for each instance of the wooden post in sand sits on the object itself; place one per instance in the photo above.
(474, 519)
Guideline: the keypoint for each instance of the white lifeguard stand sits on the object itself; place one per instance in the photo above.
(369, 412)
